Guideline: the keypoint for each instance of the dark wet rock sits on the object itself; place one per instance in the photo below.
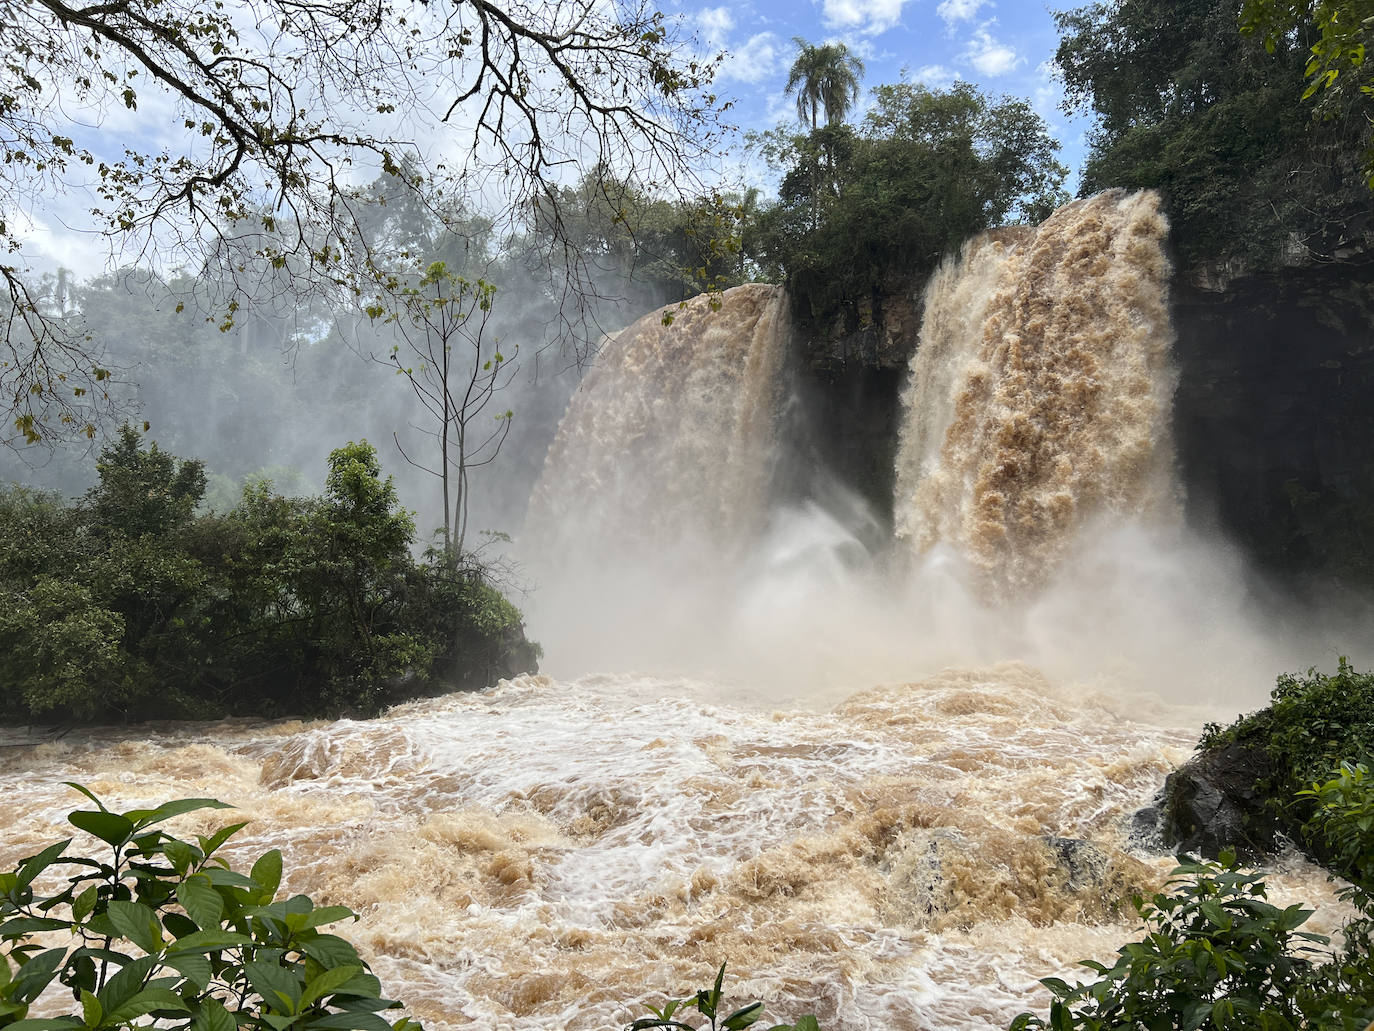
(1212, 803)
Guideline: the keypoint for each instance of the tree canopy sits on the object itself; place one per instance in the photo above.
(1215, 122)
(925, 170)
(1344, 31)
(824, 78)
(247, 131)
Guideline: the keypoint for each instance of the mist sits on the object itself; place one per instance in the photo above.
(1038, 511)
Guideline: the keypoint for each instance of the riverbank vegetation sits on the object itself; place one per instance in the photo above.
(129, 604)
(1217, 955)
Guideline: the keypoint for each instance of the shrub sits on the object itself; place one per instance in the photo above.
(707, 1003)
(160, 927)
(130, 604)
(1217, 956)
(1314, 724)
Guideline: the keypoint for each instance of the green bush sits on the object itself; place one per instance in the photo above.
(128, 604)
(707, 1003)
(1313, 724)
(1217, 956)
(161, 928)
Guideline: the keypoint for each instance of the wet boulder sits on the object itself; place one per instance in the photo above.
(1213, 802)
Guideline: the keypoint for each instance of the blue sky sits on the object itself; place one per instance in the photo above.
(1001, 46)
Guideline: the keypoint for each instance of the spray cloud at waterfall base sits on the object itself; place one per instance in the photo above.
(1037, 512)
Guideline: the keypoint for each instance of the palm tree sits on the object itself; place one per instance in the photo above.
(824, 78)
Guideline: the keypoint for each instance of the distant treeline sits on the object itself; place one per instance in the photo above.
(126, 604)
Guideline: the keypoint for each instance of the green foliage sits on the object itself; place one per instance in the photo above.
(858, 209)
(162, 928)
(143, 490)
(1342, 29)
(1216, 124)
(1343, 822)
(1216, 956)
(824, 78)
(655, 250)
(1313, 725)
(280, 605)
(707, 1003)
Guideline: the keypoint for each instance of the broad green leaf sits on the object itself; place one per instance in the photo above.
(267, 872)
(280, 1021)
(181, 855)
(362, 1003)
(350, 1021)
(35, 865)
(209, 941)
(179, 925)
(193, 966)
(138, 923)
(45, 1024)
(126, 984)
(327, 982)
(212, 1016)
(330, 950)
(148, 817)
(209, 846)
(35, 974)
(150, 1000)
(200, 900)
(24, 925)
(91, 1010)
(108, 827)
(222, 878)
(365, 985)
(85, 791)
(319, 917)
(743, 1017)
(84, 904)
(278, 986)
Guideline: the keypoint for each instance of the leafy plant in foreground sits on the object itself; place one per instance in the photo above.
(707, 1002)
(1215, 955)
(162, 932)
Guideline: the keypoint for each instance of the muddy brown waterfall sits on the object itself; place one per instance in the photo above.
(888, 817)
(1040, 394)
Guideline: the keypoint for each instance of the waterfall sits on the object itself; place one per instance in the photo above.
(1040, 392)
(672, 434)
(655, 489)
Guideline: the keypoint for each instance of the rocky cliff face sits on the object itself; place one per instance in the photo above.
(1273, 417)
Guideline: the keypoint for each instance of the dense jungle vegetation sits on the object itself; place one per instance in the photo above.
(128, 604)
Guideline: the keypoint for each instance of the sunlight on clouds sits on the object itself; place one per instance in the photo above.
(760, 57)
(869, 17)
(959, 10)
(935, 76)
(715, 23)
(989, 56)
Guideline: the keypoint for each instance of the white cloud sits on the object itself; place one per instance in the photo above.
(868, 17)
(935, 76)
(959, 10)
(761, 56)
(715, 24)
(1049, 91)
(989, 56)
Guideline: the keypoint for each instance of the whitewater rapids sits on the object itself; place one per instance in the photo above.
(556, 855)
